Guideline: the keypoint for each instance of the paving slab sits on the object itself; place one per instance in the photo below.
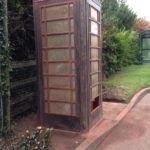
(133, 132)
(114, 113)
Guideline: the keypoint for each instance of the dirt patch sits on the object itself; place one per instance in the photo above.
(115, 94)
(61, 140)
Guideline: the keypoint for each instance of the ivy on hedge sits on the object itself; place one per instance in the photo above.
(4, 69)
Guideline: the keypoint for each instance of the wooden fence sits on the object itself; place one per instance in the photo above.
(23, 82)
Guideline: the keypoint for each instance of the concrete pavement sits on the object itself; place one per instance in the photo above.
(133, 132)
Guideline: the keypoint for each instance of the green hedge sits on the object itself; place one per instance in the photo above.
(4, 69)
(120, 49)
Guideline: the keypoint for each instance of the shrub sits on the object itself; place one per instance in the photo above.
(120, 49)
(39, 139)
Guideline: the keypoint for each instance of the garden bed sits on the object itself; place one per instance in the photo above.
(61, 140)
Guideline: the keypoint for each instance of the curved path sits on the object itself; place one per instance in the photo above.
(133, 132)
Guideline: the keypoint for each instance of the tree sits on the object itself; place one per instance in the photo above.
(118, 21)
(141, 24)
(126, 17)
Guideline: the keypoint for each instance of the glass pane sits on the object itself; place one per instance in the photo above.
(72, 40)
(56, 54)
(74, 109)
(44, 55)
(61, 95)
(74, 96)
(73, 82)
(71, 10)
(146, 55)
(94, 92)
(94, 14)
(43, 28)
(146, 43)
(94, 67)
(72, 25)
(94, 41)
(59, 68)
(95, 79)
(58, 26)
(58, 40)
(94, 27)
(73, 68)
(59, 82)
(44, 68)
(46, 107)
(60, 108)
(45, 82)
(94, 53)
(46, 94)
(57, 12)
(43, 41)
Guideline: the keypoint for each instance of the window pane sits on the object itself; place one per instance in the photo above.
(74, 96)
(95, 79)
(94, 53)
(94, 27)
(60, 108)
(94, 14)
(46, 107)
(72, 25)
(72, 40)
(45, 82)
(74, 112)
(146, 55)
(56, 54)
(59, 82)
(94, 41)
(58, 26)
(94, 67)
(60, 95)
(94, 92)
(43, 41)
(46, 94)
(71, 10)
(58, 40)
(43, 28)
(73, 69)
(57, 12)
(73, 82)
(146, 43)
(59, 68)
(44, 55)
(45, 68)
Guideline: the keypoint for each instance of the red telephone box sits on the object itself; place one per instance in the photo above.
(68, 39)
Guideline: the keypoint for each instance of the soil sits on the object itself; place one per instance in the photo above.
(115, 94)
(61, 140)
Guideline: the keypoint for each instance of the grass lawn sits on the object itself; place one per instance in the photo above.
(124, 84)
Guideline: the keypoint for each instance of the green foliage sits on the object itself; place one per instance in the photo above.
(120, 49)
(39, 139)
(4, 68)
(120, 42)
(126, 17)
(21, 29)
